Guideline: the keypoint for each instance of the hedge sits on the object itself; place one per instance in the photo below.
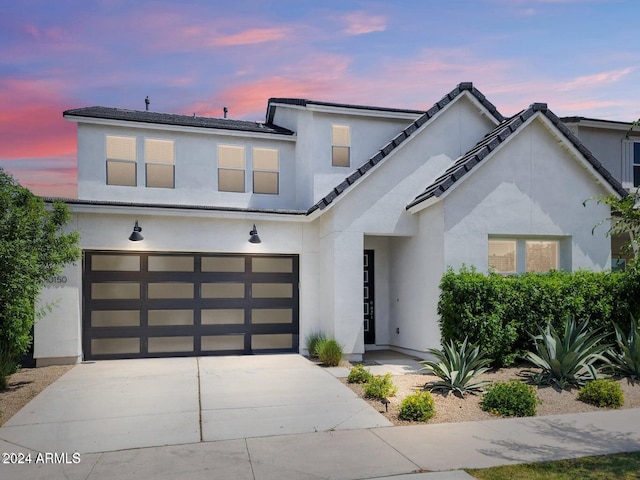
(498, 312)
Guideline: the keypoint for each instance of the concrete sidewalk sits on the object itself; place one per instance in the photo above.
(267, 418)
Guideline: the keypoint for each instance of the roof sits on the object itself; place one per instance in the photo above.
(403, 135)
(175, 119)
(597, 120)
(303, 102)
(494, 139)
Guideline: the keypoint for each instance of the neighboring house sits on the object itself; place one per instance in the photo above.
(617, 146)
(359, 211)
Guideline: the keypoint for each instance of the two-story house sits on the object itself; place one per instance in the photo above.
(209, 236)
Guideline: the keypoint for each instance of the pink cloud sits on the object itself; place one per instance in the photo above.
(252, 36)
(359, 23)
(596, 80)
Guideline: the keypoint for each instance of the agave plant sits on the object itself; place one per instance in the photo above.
(457, 368)
(574, 359)
(626, 361)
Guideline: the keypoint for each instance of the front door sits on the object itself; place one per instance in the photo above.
(369, 299)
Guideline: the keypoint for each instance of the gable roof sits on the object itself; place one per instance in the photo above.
(174, 119)
(402, 136)
(494, 139)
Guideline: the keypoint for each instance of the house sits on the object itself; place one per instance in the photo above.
(617, 145)
(327, 217)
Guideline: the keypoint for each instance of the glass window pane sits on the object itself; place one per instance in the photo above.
(271, 315)
(222, 264)
(115, 318)
(340, 156)
(271, 265)
(170, 344)
(265, 159)
(223, 290)
(636, 153)
(158, 151)
(170, 290)
(160, 176)
(114, 346)
(115, 263)
(541, 256)
(222, 342)
(222, 316)
(121, 173)
(230, 156)
(115, 291)
(263, 342)
(502, 256)
(160, 263)
(265, 182)
(340, 135)
(636, 176)
(121, 148)
(170, 317)
(271, 290)
(230, 180)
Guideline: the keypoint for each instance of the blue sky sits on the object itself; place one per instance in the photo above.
(190, 56)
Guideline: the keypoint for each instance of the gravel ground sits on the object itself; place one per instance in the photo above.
(454, 409)
(25, 384)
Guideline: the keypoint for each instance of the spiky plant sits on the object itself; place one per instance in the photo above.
(626, 360)
(457, 368)
(573, 359)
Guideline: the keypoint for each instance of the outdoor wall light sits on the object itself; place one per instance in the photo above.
(135, 235)
(254, 238)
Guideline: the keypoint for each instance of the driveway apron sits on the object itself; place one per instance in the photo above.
(123, 404)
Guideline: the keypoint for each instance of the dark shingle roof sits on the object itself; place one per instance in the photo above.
(174, 119)
(303, 102)
(495, 138)
(402, 136)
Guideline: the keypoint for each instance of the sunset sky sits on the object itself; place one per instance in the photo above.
(189, 56)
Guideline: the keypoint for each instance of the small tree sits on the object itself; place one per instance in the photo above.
(625, 220)
(33, 248)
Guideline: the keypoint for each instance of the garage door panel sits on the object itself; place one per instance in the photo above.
(160, 304)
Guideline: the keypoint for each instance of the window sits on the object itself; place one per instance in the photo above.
(341, 145)
(523, 255)
(636, 164)
(121, 161)
(265, 170)
(618, 264)
(159, 162)
(502, 256)
(231, 166)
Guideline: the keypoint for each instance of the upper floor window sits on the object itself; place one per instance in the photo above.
(121, 161)
(340, 145)
(265, 170)
(523, 255)
(231, 168)
(159, 160)
(636, 164)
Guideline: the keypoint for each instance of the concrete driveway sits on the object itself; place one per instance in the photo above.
(124, 404)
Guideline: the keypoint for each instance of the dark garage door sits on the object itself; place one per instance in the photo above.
(164, 304)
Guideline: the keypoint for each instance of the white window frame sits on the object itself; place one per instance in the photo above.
(152, 162)
(521, 244)
(631, 163)
(340, 141)
(119, 157)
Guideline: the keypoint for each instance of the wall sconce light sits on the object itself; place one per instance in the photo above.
(254, 238)
(135, 235)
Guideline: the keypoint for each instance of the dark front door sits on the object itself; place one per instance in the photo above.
(369, 299)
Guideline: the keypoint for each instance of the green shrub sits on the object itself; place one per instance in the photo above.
(358, 374)
(626, 359)
(457, 368)
(312, 340)
(510, 399)
(380, 386)
(602, 393)
(418, 407)
(571, 360)
(329, 352)
(496, 312)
